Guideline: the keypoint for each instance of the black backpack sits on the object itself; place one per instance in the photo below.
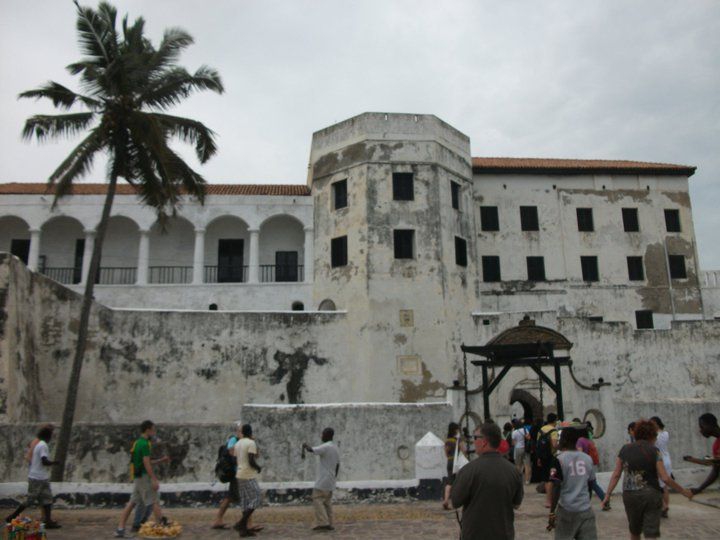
(543, 448)
(225, 464)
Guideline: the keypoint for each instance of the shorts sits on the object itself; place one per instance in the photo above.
(521, 457)
(143, 493)
(643, 508)
(575, 525)
(248, 494)
(39, 492)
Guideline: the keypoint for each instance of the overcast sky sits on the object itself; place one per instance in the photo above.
(586, 79)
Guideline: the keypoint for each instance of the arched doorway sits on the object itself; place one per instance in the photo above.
(531, 407)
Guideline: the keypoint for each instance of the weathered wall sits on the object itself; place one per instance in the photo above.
(710, 282)
(376, 441)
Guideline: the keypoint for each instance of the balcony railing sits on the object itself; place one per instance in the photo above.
(65, 276)
(170, 274)
(117, 276)
(274, 273)
(225, 274)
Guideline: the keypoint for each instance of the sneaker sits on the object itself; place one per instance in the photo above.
(120, 533)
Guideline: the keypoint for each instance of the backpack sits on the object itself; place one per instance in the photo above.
(225, 464)
(543, 448)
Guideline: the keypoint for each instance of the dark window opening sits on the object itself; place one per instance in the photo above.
(286, 266)
(677, 266)
(298, 306)
(585, 220)
(491, 268)
(644, 319)
(213, 307)
(404, 240)
(339, 190)
(338, 252)
(78, 261)
(536, 268)
(589, 266)
(455, 194)
(595, 318)
(460, 251)
(489, 218)
(230, 260)
(403, 187)
(672, 220)
(20, 248)
(529, 218)
(630, 219)
(636, 271)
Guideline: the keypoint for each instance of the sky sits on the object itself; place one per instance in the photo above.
(605, 79)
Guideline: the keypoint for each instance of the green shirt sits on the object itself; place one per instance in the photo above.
(139, 450)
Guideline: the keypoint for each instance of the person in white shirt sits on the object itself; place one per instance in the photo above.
(39, 479)
(248, 471)
(663, 439)
(522, 458)
(328, 466)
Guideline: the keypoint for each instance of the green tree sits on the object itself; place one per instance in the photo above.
(127, 84)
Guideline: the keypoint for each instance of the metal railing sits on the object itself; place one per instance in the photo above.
(225, 274)
(170, 274)
(273, 273)
(117, 276)
(66, 276)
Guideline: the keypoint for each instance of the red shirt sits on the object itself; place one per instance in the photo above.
(504, 447)
(716, 448)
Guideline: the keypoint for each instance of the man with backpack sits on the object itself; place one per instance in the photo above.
(545, 449)
(225, 471)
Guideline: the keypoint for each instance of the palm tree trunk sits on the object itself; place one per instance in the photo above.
(63, 444)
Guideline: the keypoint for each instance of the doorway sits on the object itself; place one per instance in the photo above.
(230, 260)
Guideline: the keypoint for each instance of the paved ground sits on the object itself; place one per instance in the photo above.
(688, 520)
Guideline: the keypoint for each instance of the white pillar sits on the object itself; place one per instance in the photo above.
(254, 266)
(143, 258)
(87, 255)
(199, 257)
(309, 257)
(34, 254)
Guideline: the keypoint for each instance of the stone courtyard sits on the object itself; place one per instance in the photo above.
(698, 519)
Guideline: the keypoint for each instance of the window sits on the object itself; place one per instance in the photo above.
(298, 306)
(460, 251)
(286, 266)
(636, 272)
(404, 243)
(536, 268)
(20, 248)
(672, 220)
(595, 318)
(630, 219)
(489, 218)
(644, 319)
(339, 190)
(403, 186)
(529, 218)
(677, 266)
(585, 220)
(590, 268)
(455, 194)
(491, 268)
(338, 252)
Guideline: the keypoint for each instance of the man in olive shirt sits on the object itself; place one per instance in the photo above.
(488, 489)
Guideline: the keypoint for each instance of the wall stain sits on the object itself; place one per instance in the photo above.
(411, 392)
(295, 365)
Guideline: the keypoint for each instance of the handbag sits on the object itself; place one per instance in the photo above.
(460, 460)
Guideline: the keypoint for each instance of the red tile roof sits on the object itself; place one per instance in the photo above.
(486, 165)
(288, 190)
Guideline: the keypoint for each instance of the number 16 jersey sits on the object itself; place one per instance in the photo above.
(573, 470)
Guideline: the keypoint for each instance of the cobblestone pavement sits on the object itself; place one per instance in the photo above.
(688, 520)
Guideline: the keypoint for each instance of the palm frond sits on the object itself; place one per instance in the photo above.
(190, 131)
(61, 96)
(78, 163)
(44, 127)
(93, 34)
(173, 85)
(173, 42)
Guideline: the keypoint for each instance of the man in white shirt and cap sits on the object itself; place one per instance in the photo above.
(328, 466)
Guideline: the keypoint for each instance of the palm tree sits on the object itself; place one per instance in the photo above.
(128, 84)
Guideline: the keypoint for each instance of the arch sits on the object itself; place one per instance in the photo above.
(527, 332)
(62, 248)
(327, 305)
(227, 250)
(217, 218)
(282, 249)
(120, 251)
(532, 409)
(15, 236)
(282, 215)
(171, 248)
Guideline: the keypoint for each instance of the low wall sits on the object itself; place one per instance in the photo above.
(377, 442)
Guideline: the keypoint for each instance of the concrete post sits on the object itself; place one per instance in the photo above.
(87, 255)
(309, 256)
(254, 267)
(34, 254)
(143, 258)
(199, 257)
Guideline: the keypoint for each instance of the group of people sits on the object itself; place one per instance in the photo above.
(489, 487)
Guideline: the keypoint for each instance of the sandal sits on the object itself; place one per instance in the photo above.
(222, 526)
